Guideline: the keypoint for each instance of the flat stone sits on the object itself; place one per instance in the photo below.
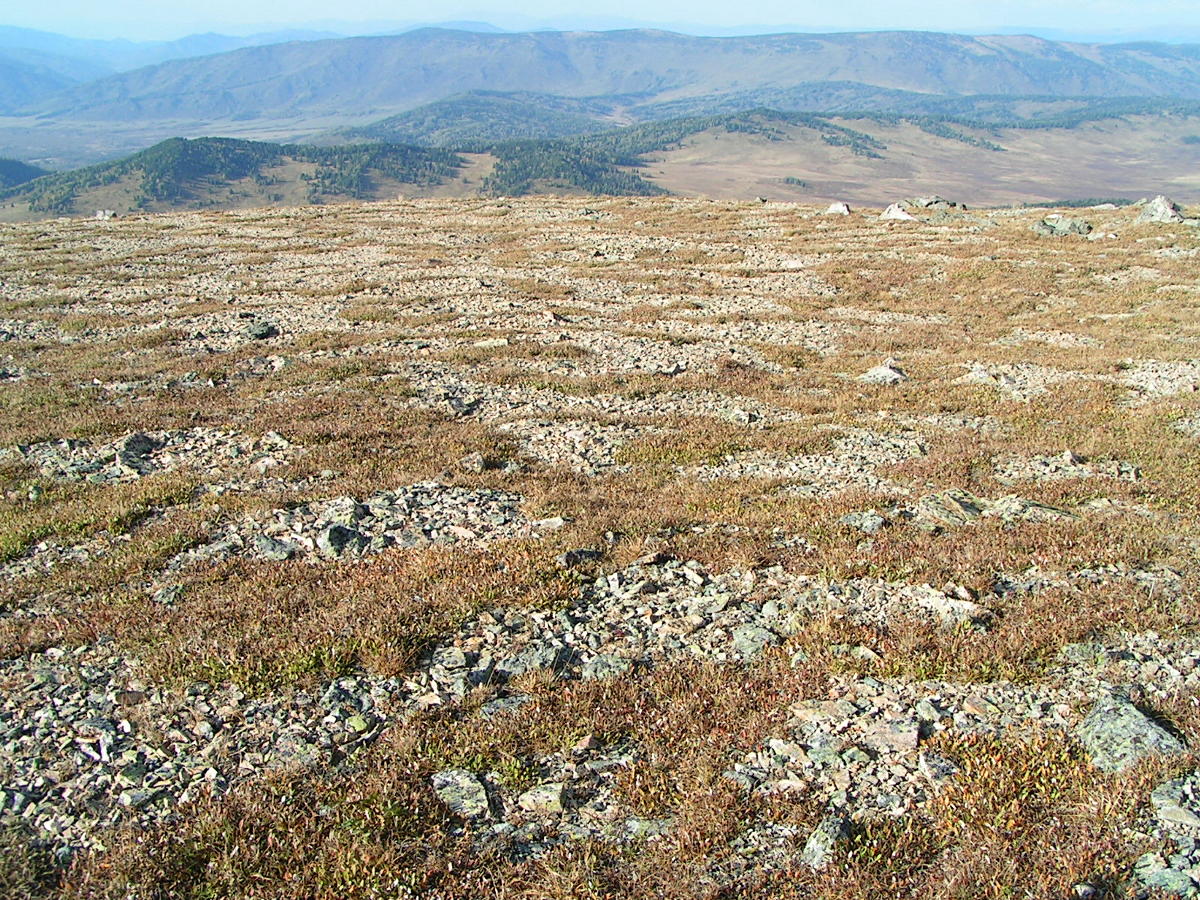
(462, 792)
(604, 667)
(888, 373)
(542, 799)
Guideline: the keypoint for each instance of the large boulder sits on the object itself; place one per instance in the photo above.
(1161, 210)
(933, 202)
(838, 209)
(897, 213)
(1116, 734)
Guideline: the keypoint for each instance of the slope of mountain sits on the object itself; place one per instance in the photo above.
(119, 55)
(379, 75)
(30, 77)
(14, 172)
(221, 172)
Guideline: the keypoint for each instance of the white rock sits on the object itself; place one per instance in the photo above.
(897, 213)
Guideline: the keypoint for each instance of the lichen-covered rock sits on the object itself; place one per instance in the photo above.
(463, 793)
(821, 845)
(1116, 734)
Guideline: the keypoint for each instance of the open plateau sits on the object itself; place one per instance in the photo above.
(551, 547)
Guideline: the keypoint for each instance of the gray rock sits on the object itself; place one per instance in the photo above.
(462, 792)
(866, 521)
(822, 843)
(750, 640)
(1061, 226)
(838, 209)
(337, 540)
(542, 799)
(604, 667)
(269, 548)
(1116, 734)
(1161, 210)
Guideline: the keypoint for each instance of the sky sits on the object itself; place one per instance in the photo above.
(1177, 20)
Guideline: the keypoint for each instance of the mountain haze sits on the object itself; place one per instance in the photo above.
(381, 75)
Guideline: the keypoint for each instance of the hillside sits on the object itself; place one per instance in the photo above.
(30, 77)
(222, 172)
(361, 76)
(13, 172)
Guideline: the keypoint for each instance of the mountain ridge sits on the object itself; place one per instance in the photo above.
(389, 74)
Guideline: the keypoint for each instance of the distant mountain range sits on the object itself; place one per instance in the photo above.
(317, 119)
(377, 76)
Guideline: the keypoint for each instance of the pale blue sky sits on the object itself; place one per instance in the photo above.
(160, 19)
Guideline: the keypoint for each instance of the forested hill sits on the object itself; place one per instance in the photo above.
(181, 173)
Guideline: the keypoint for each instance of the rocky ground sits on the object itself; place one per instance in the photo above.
(630, 547)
